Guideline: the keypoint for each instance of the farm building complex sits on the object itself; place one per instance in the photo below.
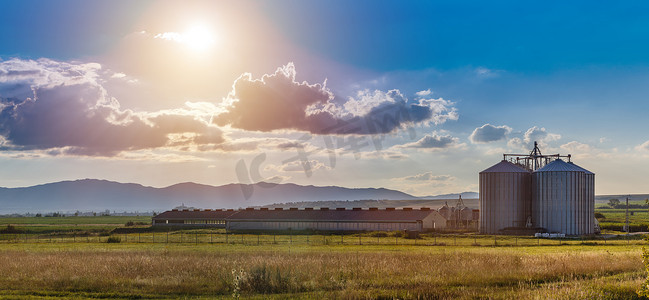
(522, 194)
(537, 193)
(323, 219)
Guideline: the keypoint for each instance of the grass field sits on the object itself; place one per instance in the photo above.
(116, 220)
(210, 264)
(131, 270)
(57, 225)
(614, 219)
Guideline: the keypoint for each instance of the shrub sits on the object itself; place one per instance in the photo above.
(114, 239)
(397, 233)
(378, 234)
(10, 229)
(644, 289)
(260, 280)
(599, 215)
(131, 223)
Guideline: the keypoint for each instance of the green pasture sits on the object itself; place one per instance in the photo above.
(98, 220)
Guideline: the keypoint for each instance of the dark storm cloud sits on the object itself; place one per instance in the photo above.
(70, 113)
(277, 101)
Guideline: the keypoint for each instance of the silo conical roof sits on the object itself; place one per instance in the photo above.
(505, 167)
(584, 170)
(559, 165)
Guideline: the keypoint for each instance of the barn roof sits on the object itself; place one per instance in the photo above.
(332, 215)
(195, 214)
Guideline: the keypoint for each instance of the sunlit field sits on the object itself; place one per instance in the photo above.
(131, 270)
(66, 259)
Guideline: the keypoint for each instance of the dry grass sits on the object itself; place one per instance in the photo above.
(316, 272)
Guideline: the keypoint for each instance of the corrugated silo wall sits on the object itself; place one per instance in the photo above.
(505, 200)
(563, 202)
(590, 203)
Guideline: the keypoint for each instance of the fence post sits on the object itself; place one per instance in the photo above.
(167, 237)
(226, 237)
(197, 238)
(257, 239)
(495, 242)
(360, 242)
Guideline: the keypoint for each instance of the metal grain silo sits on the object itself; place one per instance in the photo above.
(560, 200)
(505, 197)
(445, 211)
(587, 205)
(466, 214)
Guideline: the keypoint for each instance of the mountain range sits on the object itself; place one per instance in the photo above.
(100, 195)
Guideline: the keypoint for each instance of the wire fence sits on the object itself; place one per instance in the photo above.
(179, 237)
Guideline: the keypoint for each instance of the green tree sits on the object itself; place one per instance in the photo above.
(613, 203)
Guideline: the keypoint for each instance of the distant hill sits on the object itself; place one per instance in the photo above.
(100, 195)
(435, 204)
(465, 195)
(622, 198)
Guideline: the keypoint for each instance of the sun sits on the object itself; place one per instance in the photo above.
(198, 37)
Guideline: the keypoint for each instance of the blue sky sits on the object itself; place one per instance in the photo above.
(157, 92)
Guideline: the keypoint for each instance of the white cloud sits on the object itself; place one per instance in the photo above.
(428, 176)
(299, 166)
(534, 134)
(424, 93)
(483, 72)
(432, 142)
(170, 36)
(575, 147)
(489, 133)
(643, 147)
(118, 75)
(540, 135)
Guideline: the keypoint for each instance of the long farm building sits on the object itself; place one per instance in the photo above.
(322, 219)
